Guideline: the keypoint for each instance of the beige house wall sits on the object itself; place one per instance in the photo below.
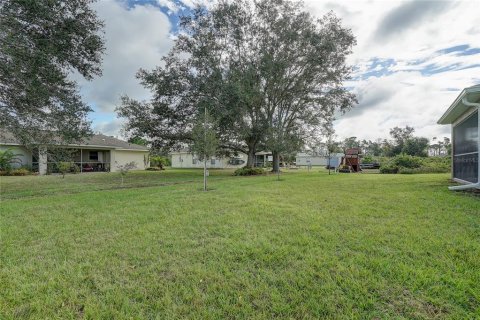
(122, 157)
(24, 155)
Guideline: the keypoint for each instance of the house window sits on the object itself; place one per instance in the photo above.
(194, 161)
(236, 161)
(93, 155)
(212, 161)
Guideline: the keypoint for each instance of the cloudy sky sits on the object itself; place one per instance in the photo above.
(411, 60)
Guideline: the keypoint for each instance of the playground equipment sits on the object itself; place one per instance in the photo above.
(351, 160)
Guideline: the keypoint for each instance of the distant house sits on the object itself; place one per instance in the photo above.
(186, 159)
(463, 116)
(97, 153)
(306, 159)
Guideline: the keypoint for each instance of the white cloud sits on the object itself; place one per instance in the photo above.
(136, 38)
(410, 34)
(399, 45)
(110, 128)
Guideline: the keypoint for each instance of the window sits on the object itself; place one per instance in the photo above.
(194, 161)
(212, 161)
(93, 155)
(465, 149)
(236, 161)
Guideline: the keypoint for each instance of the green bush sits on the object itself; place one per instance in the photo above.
(75, 168)
(153, 169)
(20, 172)
(423, 170)
(405, 164)
(388, 168)
(406, 161)
(8, 160)
(64, 167)
(159, 161)
(249, 171)
(368, 159)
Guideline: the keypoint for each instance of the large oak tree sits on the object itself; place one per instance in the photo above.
(267, 71)
(42, 42)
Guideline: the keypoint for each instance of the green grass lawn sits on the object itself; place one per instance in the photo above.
(364, 246)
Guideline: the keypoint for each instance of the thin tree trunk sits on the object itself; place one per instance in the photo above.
(205, 174)
(329, 157)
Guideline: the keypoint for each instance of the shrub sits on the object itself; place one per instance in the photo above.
(159, 161)
(64, 167)
(75, 169)
(388, 168)
(403, 170)
(405, 164)
(423, 170)
(8, 160)
(368, 159)
(406, 161)
(20, 172)
(249, 171)
(153, 169)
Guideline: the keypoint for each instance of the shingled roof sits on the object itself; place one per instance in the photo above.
(96, 140)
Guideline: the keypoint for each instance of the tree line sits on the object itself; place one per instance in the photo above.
(402, 141)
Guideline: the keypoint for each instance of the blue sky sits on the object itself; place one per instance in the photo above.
(411, 61)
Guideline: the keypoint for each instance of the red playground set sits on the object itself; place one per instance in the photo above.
(351, 160)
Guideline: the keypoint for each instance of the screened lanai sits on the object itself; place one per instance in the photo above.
(464, 118)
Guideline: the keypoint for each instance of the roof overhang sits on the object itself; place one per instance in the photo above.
(457, 108)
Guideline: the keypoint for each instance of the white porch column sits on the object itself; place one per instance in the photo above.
(113, 167)
(42, 161)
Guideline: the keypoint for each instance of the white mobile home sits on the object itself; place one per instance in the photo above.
(305, 159)
(463, 116)
(185, 159)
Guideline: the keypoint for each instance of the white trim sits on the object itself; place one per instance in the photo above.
(464, 154)
(460, 99)
(465, 187)
(464, 117)
(452, 106)
(462, 181)
(146, 150)
(86, 146)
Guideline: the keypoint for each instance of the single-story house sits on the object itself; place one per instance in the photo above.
(463, 116)
(305, 159)
(96, 153)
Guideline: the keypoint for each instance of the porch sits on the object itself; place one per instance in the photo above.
(82, 160)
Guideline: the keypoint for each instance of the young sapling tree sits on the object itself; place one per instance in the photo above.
(205, 142)
(125, 168)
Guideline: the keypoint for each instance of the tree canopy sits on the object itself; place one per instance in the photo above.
(263, 69)
(41, 44)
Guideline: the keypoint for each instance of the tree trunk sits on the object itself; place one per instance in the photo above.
(205, 174)
(329, 157)
(251, 156)
(276, 162)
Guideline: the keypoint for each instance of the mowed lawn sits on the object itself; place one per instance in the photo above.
(311, 246)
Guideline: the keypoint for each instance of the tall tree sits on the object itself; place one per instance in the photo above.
(400, 137)
(416, 146)
(41, 43)
(351, 142)
(255, 65)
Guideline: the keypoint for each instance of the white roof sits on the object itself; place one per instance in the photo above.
(457, 108)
